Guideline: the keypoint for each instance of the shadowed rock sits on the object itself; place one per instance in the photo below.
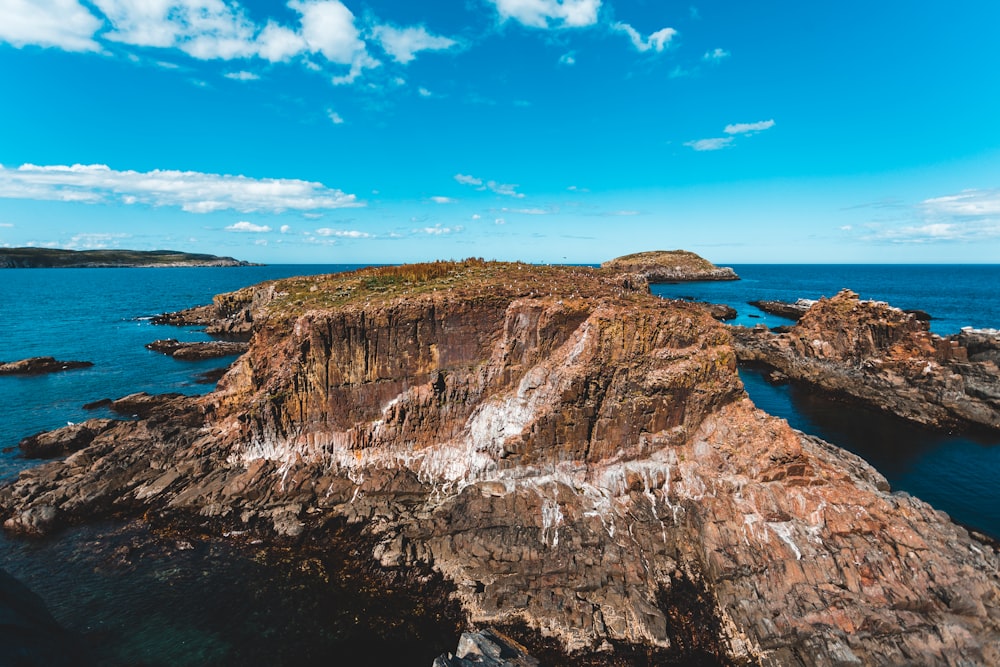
(197, 351)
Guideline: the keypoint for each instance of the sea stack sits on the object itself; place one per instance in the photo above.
(576, 456)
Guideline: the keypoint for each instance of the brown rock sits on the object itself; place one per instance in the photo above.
(197, 351)
(578, 459)
(668, 266)
(40, 366)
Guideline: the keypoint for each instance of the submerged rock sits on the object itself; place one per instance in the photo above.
(40, 366)
(488, 648)
(886, 358)
(575, 455)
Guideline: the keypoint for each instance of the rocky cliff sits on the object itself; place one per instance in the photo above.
(886, 358)
(576, 456)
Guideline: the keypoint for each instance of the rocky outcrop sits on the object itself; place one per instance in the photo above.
(49, 258)
(577, 457)
(668, 266)
(886, 358)
(50, 444)
(488, 648)
(198, 351)
(40, 366)
(791, 311)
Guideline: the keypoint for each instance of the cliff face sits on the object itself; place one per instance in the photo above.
(887, 358)
(576, 456)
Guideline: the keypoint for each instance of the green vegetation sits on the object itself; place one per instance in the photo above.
(49, 258)
(683, 260)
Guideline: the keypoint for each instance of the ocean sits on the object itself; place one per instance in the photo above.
(142, 599)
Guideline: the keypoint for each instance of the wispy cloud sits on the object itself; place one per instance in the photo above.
(248, 227)
(439, 230)
(715, 56)
(95, 241)
(733, 130)
(567, 58)
(506, 189)
(549, 13)
(745, 128)
(966, 217)
(443, 200)
(711, 144)
(343, 233)
(528, 211)
(242, 76)
(192, 191)
(403, 44)
(657, 41)
(334, 117)
(64, 24)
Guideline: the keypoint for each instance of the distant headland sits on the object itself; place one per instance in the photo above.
(52, 258)
(668, 266)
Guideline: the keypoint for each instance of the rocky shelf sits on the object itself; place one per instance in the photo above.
(572, 455)
(40, 366)
(197, 351)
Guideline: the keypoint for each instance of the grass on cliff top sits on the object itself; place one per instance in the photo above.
(470, 277)
(683, 260)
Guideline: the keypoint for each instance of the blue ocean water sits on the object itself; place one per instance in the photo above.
(957, 473)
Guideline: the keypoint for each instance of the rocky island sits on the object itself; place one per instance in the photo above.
(40, 366)
(53, 258)
(576, 458)
(669, 266)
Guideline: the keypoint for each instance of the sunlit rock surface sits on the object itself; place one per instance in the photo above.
(887, 358)
(576, 456)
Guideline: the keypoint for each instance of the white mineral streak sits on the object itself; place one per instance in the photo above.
(552, 518)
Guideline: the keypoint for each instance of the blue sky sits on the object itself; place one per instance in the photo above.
(321, 131)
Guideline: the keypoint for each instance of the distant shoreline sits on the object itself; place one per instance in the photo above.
(49, 258)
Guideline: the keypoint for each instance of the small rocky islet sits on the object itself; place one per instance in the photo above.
(576, 458)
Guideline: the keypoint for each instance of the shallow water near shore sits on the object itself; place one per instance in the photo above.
(142, 599)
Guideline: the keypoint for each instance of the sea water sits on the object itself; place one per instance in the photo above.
(203, 602)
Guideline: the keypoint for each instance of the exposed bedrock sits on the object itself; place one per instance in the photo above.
(40, 366)
(199, 350)
(577, 458)
(886, 358)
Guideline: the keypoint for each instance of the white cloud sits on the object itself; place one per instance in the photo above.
(285, 229)
(438, 230)
(968, 203)
(334, 117)
(968, 217)
(713, 144)
(744, 128)
(715, 55)
(403, 44)
(343, 233)
(244, 226)
(242, 76)
(443, 200)
(658, 41)
(64, 24)
(505, 189)
(527, 211)
(468, 180)
(499, 221)
(423, 92)
(276, 43)
(476, 216)
(192, 191)
(6, 224)
(549, 13)
(567, 58)
(328, 28)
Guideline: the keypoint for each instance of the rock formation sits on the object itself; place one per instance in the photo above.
(886, 358)
(40, 366)
(576, 456)
(792, 311)
(197, 351)
(669, 266)
(488, 648)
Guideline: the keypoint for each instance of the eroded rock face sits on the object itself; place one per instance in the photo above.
(887, 358)
(575, 456)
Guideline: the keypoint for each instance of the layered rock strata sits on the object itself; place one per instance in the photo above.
(886, 358)
(668, 266)
(576, 456)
